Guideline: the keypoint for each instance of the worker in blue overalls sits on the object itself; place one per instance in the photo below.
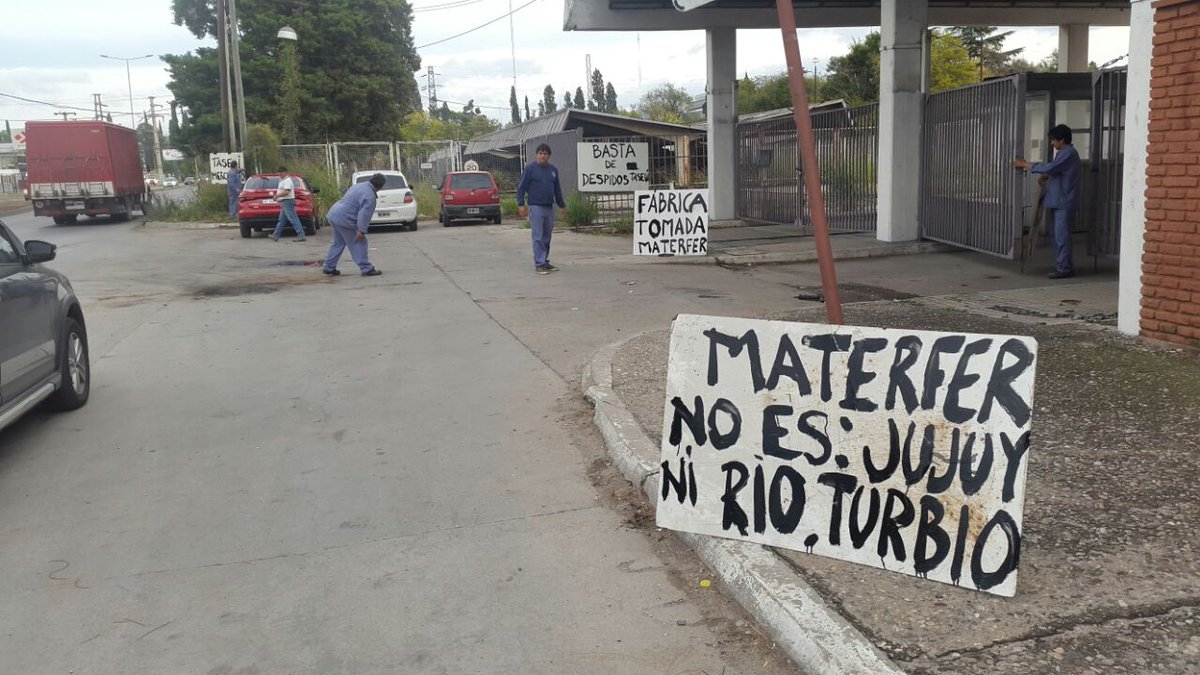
(1062, 196)
(233, 185)
(349, 219)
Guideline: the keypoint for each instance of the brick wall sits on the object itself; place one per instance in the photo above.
(1171, 261)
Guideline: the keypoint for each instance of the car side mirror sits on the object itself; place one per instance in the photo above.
(40, 251)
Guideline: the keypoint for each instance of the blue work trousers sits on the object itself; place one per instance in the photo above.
(287, 214)
(233, 204)
(1061, 220)
(541, 221)
(343, 238)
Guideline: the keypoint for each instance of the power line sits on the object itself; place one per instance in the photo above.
(482, 25)
(52, 105)
(448, 5)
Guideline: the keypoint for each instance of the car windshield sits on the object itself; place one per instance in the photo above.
(271, 183)
(470, 181)
(394, 182)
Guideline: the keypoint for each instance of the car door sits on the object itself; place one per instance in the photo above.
(28, 334)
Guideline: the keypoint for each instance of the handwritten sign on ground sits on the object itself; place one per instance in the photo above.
(898, 449)
(219, 163)
(670, 222)
(613, 167)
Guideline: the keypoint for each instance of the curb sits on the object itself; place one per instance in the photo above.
(806, 256)
(810, 632)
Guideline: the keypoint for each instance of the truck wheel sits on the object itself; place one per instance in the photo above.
(246, 231)
(60, 220)
(75, 383)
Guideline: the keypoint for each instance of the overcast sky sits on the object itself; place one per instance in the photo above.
(52, 53)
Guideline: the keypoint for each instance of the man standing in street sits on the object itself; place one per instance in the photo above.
(349, 220)
(540, 182)
(1062, 196)
(233, 186)
(285, 194)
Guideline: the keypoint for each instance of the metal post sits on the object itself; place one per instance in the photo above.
(223, 77)
(236, 57)
(811, 169)
(158, 161)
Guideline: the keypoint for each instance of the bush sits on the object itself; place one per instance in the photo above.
(211, 204)
(581, 212)
(429, 201)
(508, 206)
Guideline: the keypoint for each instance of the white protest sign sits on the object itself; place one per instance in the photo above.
(670, 222)
(172, 155)
(613, 167)
(219, 163)
(898, 449)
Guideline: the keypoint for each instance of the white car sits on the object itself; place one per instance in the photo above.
(395, 204)
(170, 181)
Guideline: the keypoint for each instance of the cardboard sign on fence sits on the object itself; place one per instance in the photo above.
(670, 222)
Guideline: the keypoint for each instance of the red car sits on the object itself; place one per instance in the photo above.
(469, 194)
(258, 210)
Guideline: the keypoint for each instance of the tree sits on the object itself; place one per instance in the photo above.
(358, 63)
(667, 103)
(548, 102)
(527, 115)
(854, 77)
(262, 148)
(1046, 65)
(767, 92)
(579, 103)
(986, 47)
(567, 103)
(610, 98)
(458, 126)
(5, 136)
(950, 63)
(596, 101)
(290, 87)
(514, 106)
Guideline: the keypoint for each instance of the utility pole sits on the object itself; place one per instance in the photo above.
(98, 106)
(223, 75)
(432, 92)
(157, 140)
(236, 57)
(64, 115)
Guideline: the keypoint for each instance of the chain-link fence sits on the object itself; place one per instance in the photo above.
(350, 158)
(303, 159)
(424, 163)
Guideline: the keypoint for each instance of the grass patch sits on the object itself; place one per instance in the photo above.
(211, 204)
(429, 202)
(508, 207)
(581, 211)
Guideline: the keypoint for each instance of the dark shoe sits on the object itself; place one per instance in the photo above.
(550, 267)
(542, 269)
(331, 273)
(1060, 275)
(372, 273)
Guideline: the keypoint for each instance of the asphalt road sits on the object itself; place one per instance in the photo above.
(280, 472)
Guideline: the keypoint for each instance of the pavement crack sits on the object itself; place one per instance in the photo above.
(364, 542)
(1096, 619)
(489, 315)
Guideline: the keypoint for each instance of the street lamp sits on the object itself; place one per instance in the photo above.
(287, 33)
(129, 81)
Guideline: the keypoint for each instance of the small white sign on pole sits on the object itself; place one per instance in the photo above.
(670, 222)
(613, 167)
(219, 163)
(899, 449)
(172, 155)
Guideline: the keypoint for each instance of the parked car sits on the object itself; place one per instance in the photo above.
(469, 194)
(43, 339)
(395, 204)
(258, 210)
(190, 180)
(170, 181)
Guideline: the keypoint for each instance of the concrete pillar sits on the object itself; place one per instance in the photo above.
(901, 103)
(722, 122)
(1133, 187)
(1073, 48)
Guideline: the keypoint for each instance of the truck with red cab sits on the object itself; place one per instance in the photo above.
(78, 167)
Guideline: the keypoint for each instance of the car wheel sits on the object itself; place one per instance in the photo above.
(445, 218)
(497, 219)
(76, 382)
(412, 226)
(309, 227)
(246, 231)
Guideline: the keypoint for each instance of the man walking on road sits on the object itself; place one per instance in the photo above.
(540, 182)
(1062, 196)
(285, 194)
(349, 220)
(233, 186)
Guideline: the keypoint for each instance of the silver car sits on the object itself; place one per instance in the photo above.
(43, 338)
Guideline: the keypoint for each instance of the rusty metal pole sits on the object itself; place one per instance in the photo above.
(808, 154)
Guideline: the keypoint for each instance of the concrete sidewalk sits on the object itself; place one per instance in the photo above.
(1109, 582)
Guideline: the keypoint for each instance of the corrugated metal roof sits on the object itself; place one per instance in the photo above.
(512, 138)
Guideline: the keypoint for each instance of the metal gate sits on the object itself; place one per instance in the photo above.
(427, 162)
(1108, 161)
(770, 188)
(970, 195)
